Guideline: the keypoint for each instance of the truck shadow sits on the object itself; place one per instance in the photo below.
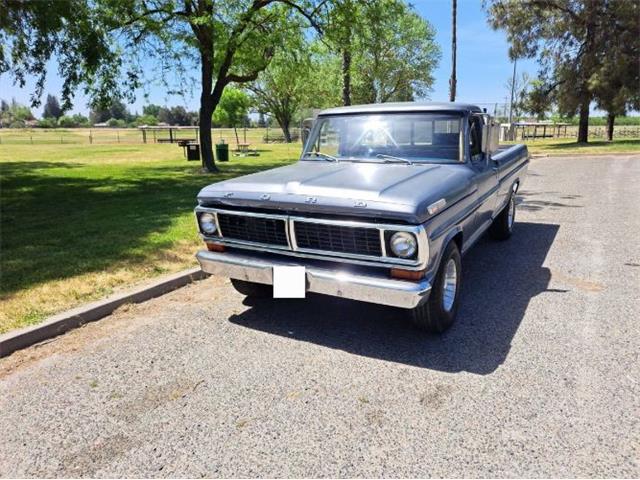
(500, 279)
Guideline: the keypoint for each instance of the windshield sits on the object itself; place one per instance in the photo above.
(390, 137)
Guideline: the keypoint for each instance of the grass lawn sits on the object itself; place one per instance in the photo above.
(80, 221)
(568, 146)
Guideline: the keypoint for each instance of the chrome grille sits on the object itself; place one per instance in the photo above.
(253, 229)
(338, 238)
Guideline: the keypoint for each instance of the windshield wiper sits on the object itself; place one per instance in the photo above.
(392, 159)
(324, 156)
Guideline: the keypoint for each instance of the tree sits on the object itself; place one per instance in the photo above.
(518, 88)
(151, 109)
(289, 81)
(100, 45)
(52, 108)
(146, 119)
(391, 63)
(33, 32)
(569, 41)
(616, 84)
(174, 116)
(14, 114)
(453, 80)
(232, 109)
(116, 110)
(342, 23)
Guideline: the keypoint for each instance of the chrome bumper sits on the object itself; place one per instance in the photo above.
(365, 288)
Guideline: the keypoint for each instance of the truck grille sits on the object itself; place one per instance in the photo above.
(336, 238)
(253, 229)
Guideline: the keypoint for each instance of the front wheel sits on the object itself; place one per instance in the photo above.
(438, 313)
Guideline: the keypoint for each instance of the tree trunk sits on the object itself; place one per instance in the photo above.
(611, 119)
(284, 126)
(452, 80)
(206, 111)
(583, 125)
(235, 130)
(346, 76)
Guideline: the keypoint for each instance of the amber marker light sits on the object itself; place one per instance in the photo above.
(412, 275)
(215, 247)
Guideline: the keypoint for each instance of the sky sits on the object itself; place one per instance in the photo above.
(483, 65)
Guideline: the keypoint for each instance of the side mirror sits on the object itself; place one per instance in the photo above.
(490, 135)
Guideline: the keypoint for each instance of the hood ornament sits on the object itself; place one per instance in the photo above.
(311, 200)
(360, 204)
(265, 196)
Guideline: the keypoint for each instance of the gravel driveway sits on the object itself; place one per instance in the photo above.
(539, 376)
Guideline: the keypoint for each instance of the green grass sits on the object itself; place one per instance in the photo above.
(79, 221)
(567, 146)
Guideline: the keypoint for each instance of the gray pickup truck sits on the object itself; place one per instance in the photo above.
(380, 208)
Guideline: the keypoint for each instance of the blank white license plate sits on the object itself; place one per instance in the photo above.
(289, 282)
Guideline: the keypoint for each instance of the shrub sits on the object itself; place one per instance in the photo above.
(67, 122)
(113, 122)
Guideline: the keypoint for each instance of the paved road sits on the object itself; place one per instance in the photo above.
(539, 377)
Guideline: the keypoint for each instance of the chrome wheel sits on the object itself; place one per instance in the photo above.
(512, 212)
(450, 285)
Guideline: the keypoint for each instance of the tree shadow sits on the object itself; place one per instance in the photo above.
(59, 220)
(526, 202)
(500, 279)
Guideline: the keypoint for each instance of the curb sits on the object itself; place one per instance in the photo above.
(65, 321)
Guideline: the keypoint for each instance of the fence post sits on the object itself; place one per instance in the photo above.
(118, 135)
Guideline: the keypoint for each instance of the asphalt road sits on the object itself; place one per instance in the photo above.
(539, 376)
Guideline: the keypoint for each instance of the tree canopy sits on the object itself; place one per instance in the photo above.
(576, 43)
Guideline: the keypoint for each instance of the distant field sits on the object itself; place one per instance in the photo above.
(33, 136)
(80, 221)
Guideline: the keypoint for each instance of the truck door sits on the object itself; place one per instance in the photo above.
(486, 175)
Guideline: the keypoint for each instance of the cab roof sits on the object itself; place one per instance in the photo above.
(403, 107)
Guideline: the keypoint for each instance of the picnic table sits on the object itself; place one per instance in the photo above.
(243, 150)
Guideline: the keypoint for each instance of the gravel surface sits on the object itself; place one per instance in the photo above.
(538, 377)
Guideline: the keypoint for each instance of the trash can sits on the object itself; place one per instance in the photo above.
(222, 152)
(193, 151)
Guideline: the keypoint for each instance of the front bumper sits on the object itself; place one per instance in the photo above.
(368, 287)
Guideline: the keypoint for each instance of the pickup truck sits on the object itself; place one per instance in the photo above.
(382, 204)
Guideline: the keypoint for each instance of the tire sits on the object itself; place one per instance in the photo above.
(502, 226)
(250, 289)
(438, 313)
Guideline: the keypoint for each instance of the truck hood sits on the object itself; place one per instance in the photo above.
(387, 191)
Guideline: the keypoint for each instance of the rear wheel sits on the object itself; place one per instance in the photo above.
(250, 289)
(438, 313)
(502, 226)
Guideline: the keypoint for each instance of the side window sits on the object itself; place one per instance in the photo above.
(475, 139)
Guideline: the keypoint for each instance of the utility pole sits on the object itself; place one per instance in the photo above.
(452, 80)
(513, 88)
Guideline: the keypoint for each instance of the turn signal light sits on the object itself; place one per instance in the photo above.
(412, 275)
(215, 247)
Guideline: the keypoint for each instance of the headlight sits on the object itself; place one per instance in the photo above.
(208, 223)
(403, 244)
